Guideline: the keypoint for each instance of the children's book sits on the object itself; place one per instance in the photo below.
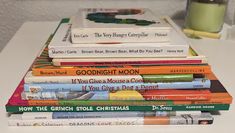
(184, 119)
(62, 47)
(194, 57)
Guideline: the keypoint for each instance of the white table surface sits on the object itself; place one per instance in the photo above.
(19, 53)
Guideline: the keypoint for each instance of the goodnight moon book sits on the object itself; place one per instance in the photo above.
(92, 25)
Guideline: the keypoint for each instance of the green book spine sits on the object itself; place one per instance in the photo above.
(192, 107)
(168, 78)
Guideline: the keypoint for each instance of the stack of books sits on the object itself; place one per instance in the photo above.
(117, 67)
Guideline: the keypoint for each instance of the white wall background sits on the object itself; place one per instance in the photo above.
(13, 13)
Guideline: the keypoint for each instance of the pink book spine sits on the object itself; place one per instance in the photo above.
(16, 96)
(162, 62)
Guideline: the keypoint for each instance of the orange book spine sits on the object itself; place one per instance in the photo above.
(43, 103)
(124, 70)
(216, 98)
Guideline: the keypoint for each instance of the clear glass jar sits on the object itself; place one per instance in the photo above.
(205, 15)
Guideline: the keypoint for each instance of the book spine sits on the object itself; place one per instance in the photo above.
(73, 115)
(120, 35)
(81, 115)
(29, 78)
(111, 63)
(120, 95)
(158, 120)
(192, 107)
(34, 115)
(127, 51)
(176, 95)
(68, 95)
(212, 100)
(197, 83)
(124, 70)
(168, 78)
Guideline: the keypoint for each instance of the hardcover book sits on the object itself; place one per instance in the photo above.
(43, 66)
(184, 119)
(119, 95)
(30, 79)
(62, 47)
(99, 25)
(82, 115)
(219, 99)
(194, 57)
(197, 83)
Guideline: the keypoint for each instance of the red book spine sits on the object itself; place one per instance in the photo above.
(176, 94)
(162, 62)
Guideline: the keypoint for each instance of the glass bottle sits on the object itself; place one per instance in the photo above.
(205, 15)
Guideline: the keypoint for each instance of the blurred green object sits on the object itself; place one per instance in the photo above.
(101, 17)
(205, 15)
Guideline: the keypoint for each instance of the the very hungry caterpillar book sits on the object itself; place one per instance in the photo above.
(62, 47)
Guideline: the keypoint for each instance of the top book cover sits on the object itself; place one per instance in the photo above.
(98, 25)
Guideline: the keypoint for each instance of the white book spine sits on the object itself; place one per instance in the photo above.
(83, 115)
(171, 120)
(36, 115)
(29, 78)
(132, 51)
(78, 122)
(119, 35)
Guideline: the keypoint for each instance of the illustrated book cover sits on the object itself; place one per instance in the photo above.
(100, 25)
